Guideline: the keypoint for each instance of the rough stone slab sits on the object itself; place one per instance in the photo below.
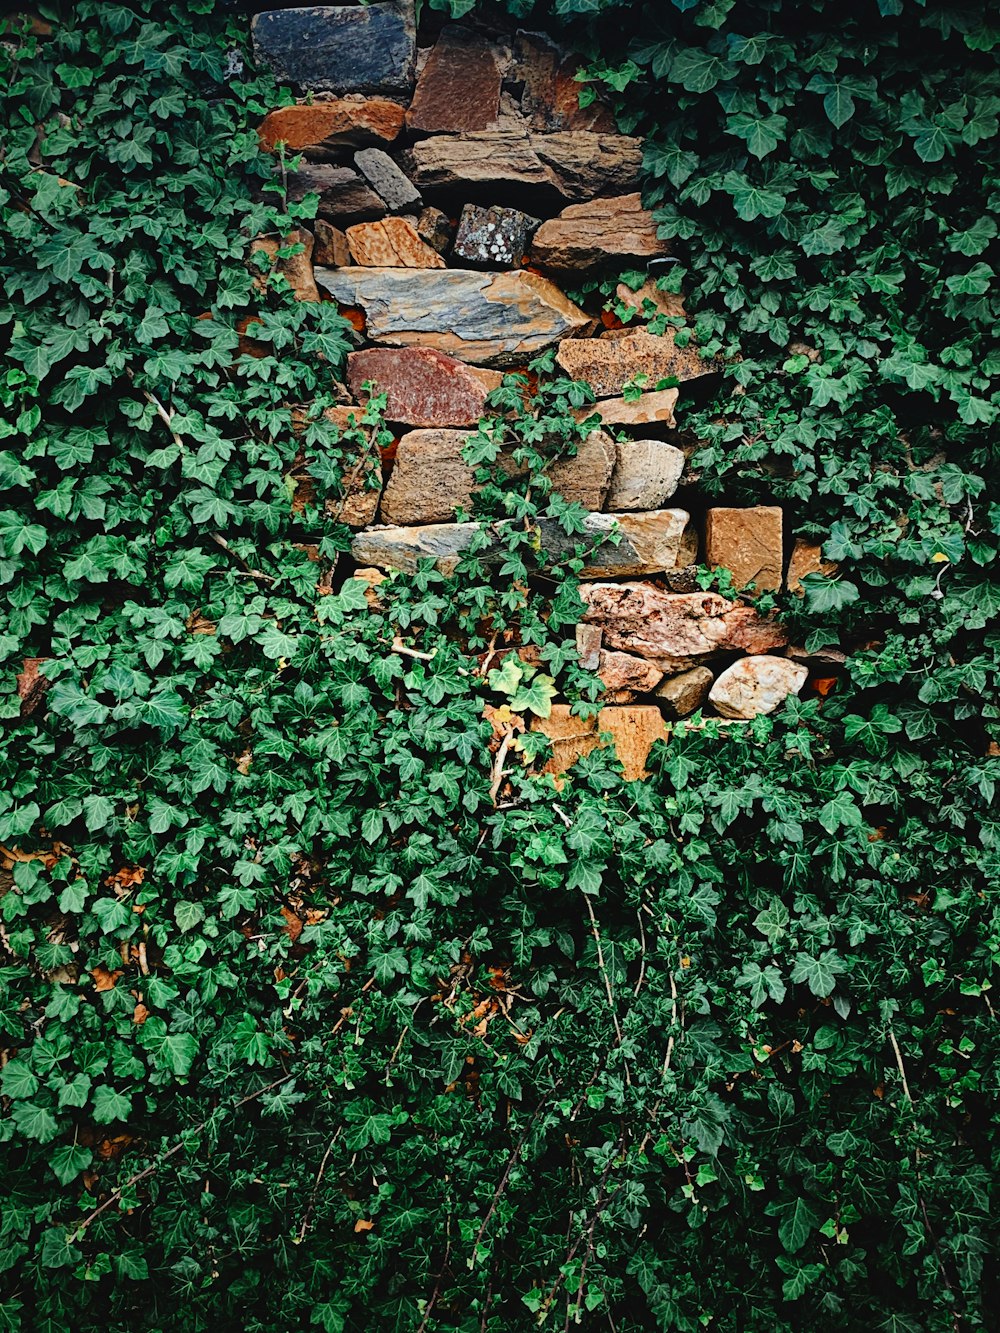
(646, 475)
(681, 695)
(608, 364)
(390, 243)
(497, 160)
(633, 729)
(598, 232)
(340, 48)
(550, 98)
(343, 196)
(331, 246)
(650, 301)
(756, 685)
(624, 675)
(807, 558)
(655, 407)
(493, 237)
(486, 318)
(649, 543)
(296, 269)
(430, 479)
(404, 548)
(676, 630)
(585, 478)
(332, 125)
(459, 86)
(387, 180)
(747, 542)
(582, 163)
(588, 646)
(424, 387)
(434, 227)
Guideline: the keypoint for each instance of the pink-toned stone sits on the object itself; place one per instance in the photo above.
(425, 387)
(633, 730)
(588, 646)
(390, 243)
(807, 558)
(747, 542)
(624, 676)
(649, 409)
(756, 685)
(600, 231)
(650, 301)
(458, 89)
(296, 269)
(676, 630)
(608, 364)
(336, 123)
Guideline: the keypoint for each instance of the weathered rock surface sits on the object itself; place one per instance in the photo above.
(459, 87)
(499, 160)
(430, 479)
(550, 98)
(747, 542)
(806, 558)
(649, 543)
(493, 237)
(390, 243)
(634, 729)
(387, 180)
(676, 630)
(650, 301)
(646, 475)
(588, 646)
(31, 685)
(343, 195)
(655, 407)
(625, 676)
(681, 695)
(487, 318)
(585, 478)
(608, 364)
(296, 269)
(357, 504)
(756, 685)
(332, 125)
(582, 163)
(340, 48)
(404, 548)
(600, 231)
(434, 227)
(425, 387)
(331, 246)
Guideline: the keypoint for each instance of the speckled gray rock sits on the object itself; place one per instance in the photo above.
(646, 474)
(756, 685)
(340, 48)
(387, 180)
(404, 548)
(486, 318)
(493, 237)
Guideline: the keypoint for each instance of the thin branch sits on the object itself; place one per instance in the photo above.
(899, 1063)
(315, 1189)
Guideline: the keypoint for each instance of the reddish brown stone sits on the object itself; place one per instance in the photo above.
(459, 87)
(600, 231)
(551, 95)
(31, 685)
(334, 124)
(331, 248)
(747, 542)
(625, 676)
(680, 695)
(390, 243)
(425, 387)
(343, 195)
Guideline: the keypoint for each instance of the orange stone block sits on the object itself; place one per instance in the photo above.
(634, 728)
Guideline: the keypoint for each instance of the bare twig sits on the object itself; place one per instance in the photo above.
(604, 971)
(315, 1189)
(899, 1063)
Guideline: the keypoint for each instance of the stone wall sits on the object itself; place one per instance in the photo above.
(463, 190)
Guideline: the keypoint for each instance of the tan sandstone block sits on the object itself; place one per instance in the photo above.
(390, 243)
(747, 542)
(634, 728)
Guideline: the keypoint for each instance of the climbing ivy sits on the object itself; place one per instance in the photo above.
(321, 1007)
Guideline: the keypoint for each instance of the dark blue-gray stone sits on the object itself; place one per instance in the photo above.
(340, 48)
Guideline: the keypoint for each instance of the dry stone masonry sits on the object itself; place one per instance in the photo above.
(462, 190)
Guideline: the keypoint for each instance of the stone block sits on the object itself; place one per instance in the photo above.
(647, 543)
(633, 731)
(340, 48)
(625, 676)
(588, 646)
(680, 695)
(500, 162)
(487, 318)
(550, 97)
(582, 163)
(646, 475)
(608, 364)
(459, 86)
(597, 233)
(434, 227)
(806, 558)
(650, 409)
(424, 387)
(387, 180)
(585, 478)
(296, 269)
(332, 125)
(493, 237)
(756, 685)
(404, 548)
(430, 480)
(747, 542)
(343, 196)
(390, 243)
(650, 301)
(331, 248)
(676, 630)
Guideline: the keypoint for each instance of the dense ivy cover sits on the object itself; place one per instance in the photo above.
(313, 1018)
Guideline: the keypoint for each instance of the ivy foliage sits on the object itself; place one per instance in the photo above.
(321, 1007)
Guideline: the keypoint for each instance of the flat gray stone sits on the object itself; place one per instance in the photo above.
(404, 547)
(340, 48)
(486, 318)
(649, 543)
(387, 180)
